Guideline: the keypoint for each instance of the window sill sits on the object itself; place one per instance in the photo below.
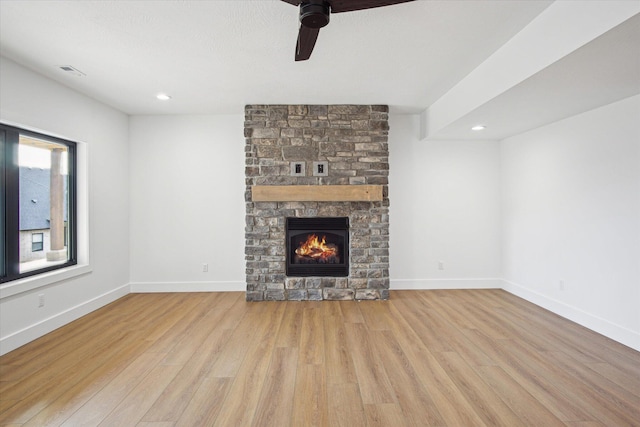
(34, 282)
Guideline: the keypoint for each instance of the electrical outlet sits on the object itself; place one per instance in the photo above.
(320, 168)
(297, 169)
(205, 268)
(40, 300)
(440, 265)
(561, 285)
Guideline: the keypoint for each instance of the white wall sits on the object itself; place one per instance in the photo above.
(187, 203)
(187, 179)
(38, 103)
(571, 213)
(444, 206)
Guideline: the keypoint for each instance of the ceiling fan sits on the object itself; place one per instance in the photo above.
(314, 14)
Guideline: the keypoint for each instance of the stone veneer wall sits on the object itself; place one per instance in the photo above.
(353, 139)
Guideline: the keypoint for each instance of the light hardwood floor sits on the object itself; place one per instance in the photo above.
(444, 358)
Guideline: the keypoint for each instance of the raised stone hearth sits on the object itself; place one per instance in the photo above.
(352, 140)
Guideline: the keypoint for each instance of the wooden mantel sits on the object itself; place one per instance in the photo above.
(316, 193)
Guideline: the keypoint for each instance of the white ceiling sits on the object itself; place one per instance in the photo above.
(600, 72)
(213, 57)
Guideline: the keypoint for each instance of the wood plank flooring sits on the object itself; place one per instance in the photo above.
(441, 358)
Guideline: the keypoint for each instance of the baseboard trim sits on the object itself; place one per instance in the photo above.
(426, 284)
(43, 327)
(602, 326)
(153, 287)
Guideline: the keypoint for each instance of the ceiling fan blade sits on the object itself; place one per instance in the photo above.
(351, 5)
(306, 41)
(293, 2)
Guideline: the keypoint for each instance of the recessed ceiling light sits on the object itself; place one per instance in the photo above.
(163, 97)
(479, 127)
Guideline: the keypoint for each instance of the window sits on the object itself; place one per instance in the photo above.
(38, 196)
(37, 242)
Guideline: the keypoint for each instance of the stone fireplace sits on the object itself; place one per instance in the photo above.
(316, 175)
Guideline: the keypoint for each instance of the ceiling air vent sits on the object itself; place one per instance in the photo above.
(71, 70)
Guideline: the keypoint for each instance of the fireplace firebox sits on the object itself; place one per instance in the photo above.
(317, 246)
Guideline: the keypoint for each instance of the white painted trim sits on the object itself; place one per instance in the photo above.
(43, 327)
(615, 332)
(602, 326)
(408, 284)
(144, 287)
(82, 203)
(30, 283)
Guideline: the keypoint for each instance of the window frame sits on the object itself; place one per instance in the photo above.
(40, 242)
(10, 193)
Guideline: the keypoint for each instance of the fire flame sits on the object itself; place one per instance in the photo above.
(316, 248)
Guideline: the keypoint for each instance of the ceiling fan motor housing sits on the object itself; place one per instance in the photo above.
(314, 13)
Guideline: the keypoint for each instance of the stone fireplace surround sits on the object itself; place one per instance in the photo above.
(353, 139)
